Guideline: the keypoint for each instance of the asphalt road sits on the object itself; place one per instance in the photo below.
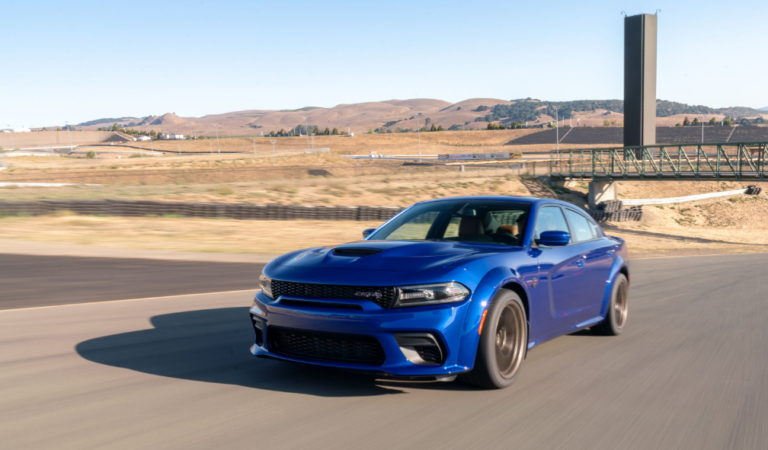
(29, 281)
(690, 372)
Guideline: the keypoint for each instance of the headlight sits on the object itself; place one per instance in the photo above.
(431, 294)
(266, 285)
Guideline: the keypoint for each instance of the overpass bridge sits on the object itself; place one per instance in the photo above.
(741, 161)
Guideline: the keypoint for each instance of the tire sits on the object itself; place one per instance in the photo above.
(618, 308)
(503, 343)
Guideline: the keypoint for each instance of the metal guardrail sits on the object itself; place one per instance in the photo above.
(743, 160)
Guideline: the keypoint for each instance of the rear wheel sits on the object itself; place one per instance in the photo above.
(618, 309)
(503, 343)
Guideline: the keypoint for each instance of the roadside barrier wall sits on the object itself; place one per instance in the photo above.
(243, 211)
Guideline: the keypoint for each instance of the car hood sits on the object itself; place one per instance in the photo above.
(388, 256)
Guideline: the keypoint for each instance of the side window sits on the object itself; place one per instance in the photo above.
(550, 218)
(582, 228)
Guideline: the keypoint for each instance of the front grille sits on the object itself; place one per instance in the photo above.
(382, 296)
(315, 345)
(355, 251)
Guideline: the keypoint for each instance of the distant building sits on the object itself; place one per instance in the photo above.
(16, 130)
(173, 136)
(143, 138)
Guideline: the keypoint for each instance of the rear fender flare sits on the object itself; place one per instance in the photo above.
(618, 264)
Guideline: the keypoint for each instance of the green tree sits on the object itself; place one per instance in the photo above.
(115, 127)
(369, 131)
(335, 132)
(440, 128)
(433, 128)
(677, 124)
(327, 132)
(316, 130)
(695, 120)
(423, 129)
(712, 121)
(606, 123)
(686, 122)
(58, 128)
(728, 122)
(152, 133)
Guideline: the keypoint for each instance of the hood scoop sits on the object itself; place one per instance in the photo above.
(355, 251)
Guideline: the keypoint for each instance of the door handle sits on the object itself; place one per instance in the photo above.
(580, 263)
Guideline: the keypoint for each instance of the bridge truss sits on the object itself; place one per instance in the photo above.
(734, 161)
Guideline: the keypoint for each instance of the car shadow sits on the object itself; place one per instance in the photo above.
(212, 346)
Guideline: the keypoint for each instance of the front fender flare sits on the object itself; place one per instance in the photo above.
(486, 290)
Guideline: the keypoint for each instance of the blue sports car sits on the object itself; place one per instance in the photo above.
(452, 287)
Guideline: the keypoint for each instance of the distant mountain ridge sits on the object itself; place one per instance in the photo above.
(412, 114)
(764, 108)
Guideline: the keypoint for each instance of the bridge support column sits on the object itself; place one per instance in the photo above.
(568, 183)
(600, 191)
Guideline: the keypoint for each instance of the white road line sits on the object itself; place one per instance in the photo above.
(128, 300)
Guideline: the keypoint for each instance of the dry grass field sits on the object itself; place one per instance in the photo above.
(678, 230)
(360, 144)
(394, 189)
(719, 225)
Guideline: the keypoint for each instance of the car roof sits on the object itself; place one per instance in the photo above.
(502, 198)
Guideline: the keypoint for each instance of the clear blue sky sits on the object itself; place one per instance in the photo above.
(82, 60)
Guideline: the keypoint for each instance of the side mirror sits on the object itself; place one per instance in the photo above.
(367, 232)
(554, 238)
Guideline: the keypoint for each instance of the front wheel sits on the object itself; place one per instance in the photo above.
(618, 308)
(503, 342)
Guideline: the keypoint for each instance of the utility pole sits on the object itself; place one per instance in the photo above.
(12, 144)
(557, 130)
(70, 137)
(273, 152)
(306, 130)
(254, 146)
(701, 119)
(419, 133)
(217, 137)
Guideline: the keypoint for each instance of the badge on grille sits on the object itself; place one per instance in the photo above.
(368, 294)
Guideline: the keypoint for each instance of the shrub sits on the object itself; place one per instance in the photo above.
(285, 188)
(90, 155)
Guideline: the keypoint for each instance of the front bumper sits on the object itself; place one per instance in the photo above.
(445, 322)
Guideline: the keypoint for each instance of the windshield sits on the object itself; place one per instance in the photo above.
(490, 222)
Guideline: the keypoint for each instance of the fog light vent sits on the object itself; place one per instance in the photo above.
(258, 327)
(423, 349)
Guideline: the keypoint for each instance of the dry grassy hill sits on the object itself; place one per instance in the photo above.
(358, 118)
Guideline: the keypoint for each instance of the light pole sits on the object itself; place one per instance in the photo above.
(418, 131)
(557, 130)
(69, 135)
(254, 146)
(273, 152)
(306, 130)
(218, 146)
(701, 119)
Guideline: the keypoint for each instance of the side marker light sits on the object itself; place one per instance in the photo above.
(482, 321)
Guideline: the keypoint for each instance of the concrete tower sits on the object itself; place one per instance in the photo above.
(640, 80)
